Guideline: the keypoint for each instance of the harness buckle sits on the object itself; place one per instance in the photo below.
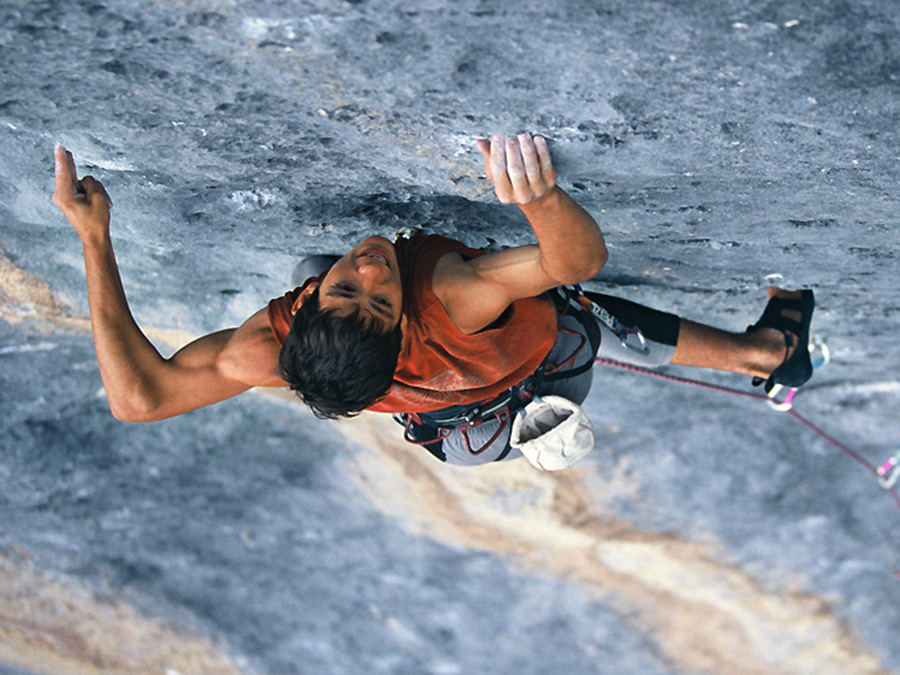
(472, 415)
(889, 472)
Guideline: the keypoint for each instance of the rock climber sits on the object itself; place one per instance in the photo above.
(449, 339)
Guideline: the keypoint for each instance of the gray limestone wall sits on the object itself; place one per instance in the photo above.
(721, 145)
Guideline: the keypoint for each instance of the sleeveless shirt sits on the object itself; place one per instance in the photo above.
(440, 366)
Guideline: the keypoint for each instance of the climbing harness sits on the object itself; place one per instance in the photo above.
(439, 424)
(462, 417)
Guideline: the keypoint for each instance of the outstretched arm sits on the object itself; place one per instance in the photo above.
(140, 384)
(570, 245)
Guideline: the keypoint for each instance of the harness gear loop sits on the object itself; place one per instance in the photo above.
(501, 416)
(548, 369)
(501, 410)
(408, 419)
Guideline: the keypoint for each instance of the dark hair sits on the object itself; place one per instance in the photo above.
(338, 365)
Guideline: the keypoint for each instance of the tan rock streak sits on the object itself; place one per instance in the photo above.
(48, 626)
(24, 296)
(703, 614)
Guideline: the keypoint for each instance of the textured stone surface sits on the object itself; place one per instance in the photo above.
(720, 144)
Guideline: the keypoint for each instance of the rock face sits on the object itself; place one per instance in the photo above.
(722, 146)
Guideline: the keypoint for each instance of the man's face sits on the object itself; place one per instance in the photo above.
(367, 279)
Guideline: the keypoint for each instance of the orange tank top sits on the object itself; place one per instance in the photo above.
(440, 366)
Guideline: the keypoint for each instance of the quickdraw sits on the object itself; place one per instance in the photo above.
(817, 346)
(888, 474)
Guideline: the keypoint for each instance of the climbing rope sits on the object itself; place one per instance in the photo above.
(887, 474)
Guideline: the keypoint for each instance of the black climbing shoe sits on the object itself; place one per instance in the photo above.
(797, 367)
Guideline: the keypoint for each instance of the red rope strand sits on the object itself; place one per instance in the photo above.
(747, 394)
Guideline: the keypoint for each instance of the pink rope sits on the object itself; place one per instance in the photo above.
(747, 394)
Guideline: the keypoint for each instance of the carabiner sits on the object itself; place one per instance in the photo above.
(889, 472)
(818, 348)
(784, 405)
(643, 349)
(820, 345)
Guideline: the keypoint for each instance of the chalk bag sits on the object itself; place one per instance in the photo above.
(552, 432)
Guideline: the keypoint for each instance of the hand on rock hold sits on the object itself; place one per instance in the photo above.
(520, 167)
